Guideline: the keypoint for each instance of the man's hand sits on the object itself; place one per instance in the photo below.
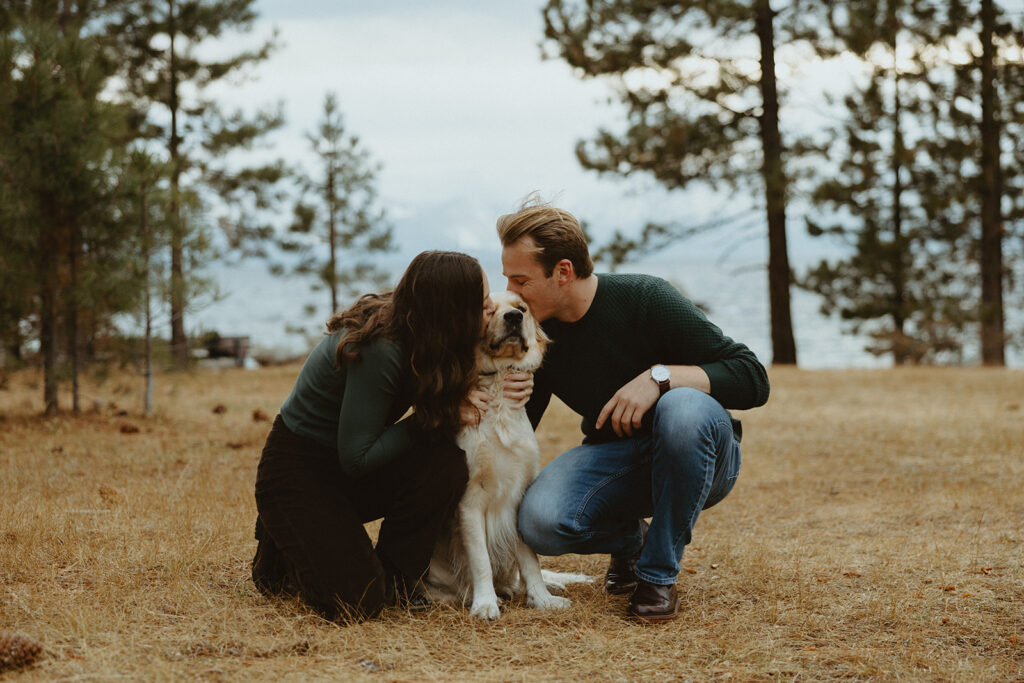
(627, 407)
(518, 388)
(474, 406)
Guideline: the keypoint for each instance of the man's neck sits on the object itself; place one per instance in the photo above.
(580, 296)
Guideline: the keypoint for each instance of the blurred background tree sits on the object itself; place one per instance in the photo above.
(58, 142)
(163, 65)
(917, 194)
(702, 104)
(981, 144)
(146, 204)
(338, 208)
(899, 282)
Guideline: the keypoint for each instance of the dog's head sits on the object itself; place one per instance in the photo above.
(513, 339)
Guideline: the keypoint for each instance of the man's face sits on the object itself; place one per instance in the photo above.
(527, 279)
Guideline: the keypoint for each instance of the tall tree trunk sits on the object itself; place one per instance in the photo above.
(779, 276)
(179, 344)
(48, 317)
(901, 352)
(72, 316)
(332, 239)
(992, 332)
(148, 360)
(147, 297)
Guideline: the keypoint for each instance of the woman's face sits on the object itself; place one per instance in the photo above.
(488, 307)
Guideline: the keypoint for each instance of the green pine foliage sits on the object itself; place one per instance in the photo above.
(164, 65)
(58, 141)
(698, 85)
(338, 209)
(982, 144)
(908, 190)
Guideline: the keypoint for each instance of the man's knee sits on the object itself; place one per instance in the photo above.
(684, 415)
(541, 525)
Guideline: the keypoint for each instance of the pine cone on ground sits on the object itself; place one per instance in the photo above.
(17, 651)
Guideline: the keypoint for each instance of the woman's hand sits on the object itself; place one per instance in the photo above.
(518, 388)
(474, 406)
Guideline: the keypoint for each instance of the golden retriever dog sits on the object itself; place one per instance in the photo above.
(482, 554)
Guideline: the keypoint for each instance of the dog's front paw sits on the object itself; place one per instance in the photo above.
(485, 609)
(548, 602)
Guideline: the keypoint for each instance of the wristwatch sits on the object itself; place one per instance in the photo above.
(661, 376)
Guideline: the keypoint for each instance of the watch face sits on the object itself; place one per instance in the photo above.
(660, 373)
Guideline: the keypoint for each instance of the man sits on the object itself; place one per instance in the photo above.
(652, 379)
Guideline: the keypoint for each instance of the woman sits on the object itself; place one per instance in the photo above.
(339, 455)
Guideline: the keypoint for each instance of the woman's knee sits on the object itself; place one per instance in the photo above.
(441, 467)
(448, 470)
(342, 600)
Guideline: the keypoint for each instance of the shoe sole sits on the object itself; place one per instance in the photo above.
(656, 618)
(620, 589)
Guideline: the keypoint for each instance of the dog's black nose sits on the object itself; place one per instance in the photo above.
(514, 317)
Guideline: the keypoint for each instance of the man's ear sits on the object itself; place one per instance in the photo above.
(564, 271)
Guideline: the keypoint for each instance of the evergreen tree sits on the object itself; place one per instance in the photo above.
(339, 208)
(702, 101)
(915, 186)
(899, 284)
(164, 66)
(981, 102)
(56, 136)
(145, 200)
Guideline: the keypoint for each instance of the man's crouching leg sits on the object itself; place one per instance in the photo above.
(695, 461)
(587, 501)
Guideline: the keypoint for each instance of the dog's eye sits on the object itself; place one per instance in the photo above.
(521, 308)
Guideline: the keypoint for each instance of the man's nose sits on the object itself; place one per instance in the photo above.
(514, 317)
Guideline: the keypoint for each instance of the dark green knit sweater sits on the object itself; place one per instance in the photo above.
(634, 322)
(353, 409)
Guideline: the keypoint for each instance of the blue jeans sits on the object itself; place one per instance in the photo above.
(591, 498)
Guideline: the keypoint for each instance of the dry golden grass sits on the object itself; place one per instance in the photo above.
(875, 534)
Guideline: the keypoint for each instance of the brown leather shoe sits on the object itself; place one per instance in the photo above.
(620, 578)
(651, 602)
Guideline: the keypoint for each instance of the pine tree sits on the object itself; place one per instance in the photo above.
(899, 283)
(56, 136)
(343, 212)
(162, 41)
(981, 101)
(696, 111)
(145, 200)
(916, 134)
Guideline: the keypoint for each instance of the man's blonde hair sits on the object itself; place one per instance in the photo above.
(555, 232)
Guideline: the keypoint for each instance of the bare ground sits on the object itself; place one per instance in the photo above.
(875, 534)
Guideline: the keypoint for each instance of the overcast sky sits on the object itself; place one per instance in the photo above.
(455, 101)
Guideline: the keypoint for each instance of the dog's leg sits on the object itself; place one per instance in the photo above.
(537, 594)
(474, 540)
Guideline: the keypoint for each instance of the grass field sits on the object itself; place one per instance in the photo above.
(875, 534)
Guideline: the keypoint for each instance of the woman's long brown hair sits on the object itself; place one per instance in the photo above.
(436, 313)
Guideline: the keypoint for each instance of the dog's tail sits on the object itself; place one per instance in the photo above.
(559, 580)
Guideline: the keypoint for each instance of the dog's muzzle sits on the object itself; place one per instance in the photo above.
(513, 330)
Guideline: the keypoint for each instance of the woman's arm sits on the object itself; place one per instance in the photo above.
(367, 437)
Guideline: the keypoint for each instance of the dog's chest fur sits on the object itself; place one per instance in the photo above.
(502, 453)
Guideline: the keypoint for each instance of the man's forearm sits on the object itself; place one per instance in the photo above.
(691, 376)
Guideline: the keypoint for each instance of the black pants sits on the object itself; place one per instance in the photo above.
(310, 526)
